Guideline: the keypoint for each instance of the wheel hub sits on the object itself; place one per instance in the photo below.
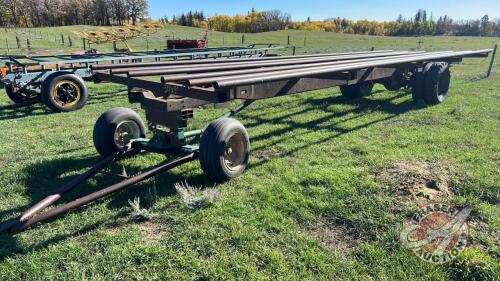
(125, 132)
(234, 152)
(66, 93)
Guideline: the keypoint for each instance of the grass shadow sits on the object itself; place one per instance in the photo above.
(11, 111)
(363, 107)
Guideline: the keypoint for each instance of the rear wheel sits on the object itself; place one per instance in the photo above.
(19, 96)
(356, 91)
(115, 129)
(433, 84)
(224, 149)
(437, 83)
(393, 83)
(64, 93)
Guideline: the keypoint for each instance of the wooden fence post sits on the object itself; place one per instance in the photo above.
(288, 41)
(70, 41)
(243, 39)
(490, 68)
(18, 42)
(28, 43)
(62, 39)
(84, 44)
(7, 44)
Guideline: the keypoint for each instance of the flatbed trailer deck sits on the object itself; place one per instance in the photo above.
(223, 147)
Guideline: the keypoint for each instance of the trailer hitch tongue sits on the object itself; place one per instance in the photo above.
(17, 226)
(72, 184)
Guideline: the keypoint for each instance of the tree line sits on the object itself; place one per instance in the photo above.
(40, 13)
(423, 23)
(252, 22)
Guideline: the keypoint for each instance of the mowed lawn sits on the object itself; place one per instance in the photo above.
(330, 181)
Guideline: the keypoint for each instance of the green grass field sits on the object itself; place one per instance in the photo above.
(329, 182)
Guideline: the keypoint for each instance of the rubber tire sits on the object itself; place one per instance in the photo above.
(104, 129)
(12, 93)
(357, 91)
(213, 145)
(417, 86)
(436, 83)
(394, 82)
(51, 82)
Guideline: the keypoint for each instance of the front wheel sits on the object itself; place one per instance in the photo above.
(115, 129)
(65, 93)
(224, 149)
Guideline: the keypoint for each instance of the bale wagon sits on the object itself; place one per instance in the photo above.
(59, 80)
(223, 147)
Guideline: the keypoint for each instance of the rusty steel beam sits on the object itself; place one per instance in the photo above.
(152, 71)
(230, 81)
(186, 77)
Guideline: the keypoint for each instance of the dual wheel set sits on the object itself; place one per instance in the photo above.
(61, 92)
(224, 146)
(431, 85)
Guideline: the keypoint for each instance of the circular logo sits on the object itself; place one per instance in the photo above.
(437, 233)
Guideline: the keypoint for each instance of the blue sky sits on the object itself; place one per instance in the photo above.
(321, 9)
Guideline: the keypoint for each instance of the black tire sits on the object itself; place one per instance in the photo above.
(417, 86)
(437, 79)
(64, 92)
(19, 96)
(394, 82)
(224, 149)
(106, 126)
(357, 91)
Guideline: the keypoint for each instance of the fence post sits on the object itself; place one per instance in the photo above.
(305, 41)
(294, 49)
(223, 40)
(243, 39)
(18, 42)
(490, 68)
(70, 41)
(62, 39)
(28, 43)
(7, 44)
(288, 41)
(84, 44)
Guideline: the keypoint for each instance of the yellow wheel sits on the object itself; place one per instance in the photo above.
(64, 92)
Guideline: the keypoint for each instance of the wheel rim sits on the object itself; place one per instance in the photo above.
(125, 132)
(19, 95)
(66, 93)
(235, 152)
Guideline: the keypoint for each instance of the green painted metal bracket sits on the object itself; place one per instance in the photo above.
(168, 143)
